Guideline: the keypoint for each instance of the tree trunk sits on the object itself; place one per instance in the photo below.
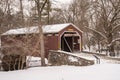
(99, 46)
(42, 50)
(21, 13)
(111, 47)
(48, 11)
(39, 10)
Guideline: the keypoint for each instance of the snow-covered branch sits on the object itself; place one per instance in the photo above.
(97, 32)
(113, 41)
(115, 27)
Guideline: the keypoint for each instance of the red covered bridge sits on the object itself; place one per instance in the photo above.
(66, 37)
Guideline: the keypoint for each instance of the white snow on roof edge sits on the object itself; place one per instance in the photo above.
(55, 28)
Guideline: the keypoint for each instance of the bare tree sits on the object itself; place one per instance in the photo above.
(41, 37)
(107, 20)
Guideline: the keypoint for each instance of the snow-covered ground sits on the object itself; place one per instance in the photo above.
(94, 49)
(103, 60)
(94, 72)
(103, 71)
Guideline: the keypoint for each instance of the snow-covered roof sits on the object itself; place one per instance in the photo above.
(55, 28)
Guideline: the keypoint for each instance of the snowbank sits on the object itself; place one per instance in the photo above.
(35, 61)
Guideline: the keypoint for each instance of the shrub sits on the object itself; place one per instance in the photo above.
(13, 62)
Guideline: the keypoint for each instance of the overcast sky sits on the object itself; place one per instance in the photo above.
(63, 1)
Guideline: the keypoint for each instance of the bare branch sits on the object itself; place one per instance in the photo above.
(115, 27)
(43, 6)
(97, 32)
(113, 41)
